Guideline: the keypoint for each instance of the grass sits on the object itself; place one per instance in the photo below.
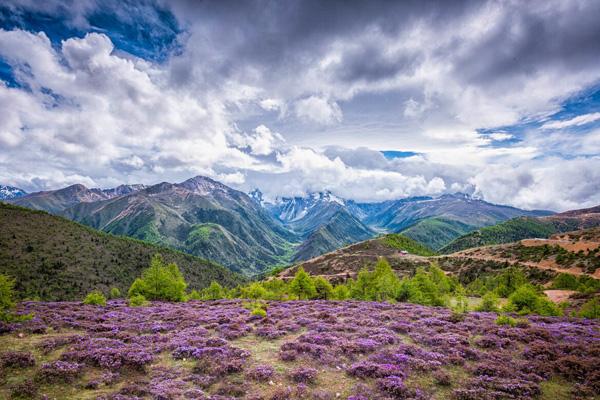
(556, 389)
(401, 242)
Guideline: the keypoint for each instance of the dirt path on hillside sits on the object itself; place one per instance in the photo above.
(544, 264)
(568, 245)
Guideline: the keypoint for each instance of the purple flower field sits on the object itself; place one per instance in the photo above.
(301, 350)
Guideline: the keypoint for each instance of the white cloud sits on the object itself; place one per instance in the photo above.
(319, 110)
(500, 136)
(576, 121)
(90, 109)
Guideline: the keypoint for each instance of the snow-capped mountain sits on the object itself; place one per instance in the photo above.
(10, 192)
(257, 196)
(290, 209)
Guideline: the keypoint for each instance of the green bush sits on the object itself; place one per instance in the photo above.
(302, 285)
(508, 281)
(461, 303)
(7, 302)
(194, 295)
(137, 300)
(115, 293)
(254, 291)
(587, 284)
(526, 300)
(590, 309)
(421, 289)
(506, 320)
(258, 308)
(259, 312)
(160, 282)
(95, 298)
(341, 292)
(489, 303)
(323, 288)
(385, 282)
(213, 292)
(7, 294)
(565, 281)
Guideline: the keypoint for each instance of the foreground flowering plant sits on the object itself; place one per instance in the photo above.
(301, 349)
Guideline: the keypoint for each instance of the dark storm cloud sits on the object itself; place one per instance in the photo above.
(526, 40)
(284, 36)
(370, 64)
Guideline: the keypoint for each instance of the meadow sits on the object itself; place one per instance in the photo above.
(313, 349)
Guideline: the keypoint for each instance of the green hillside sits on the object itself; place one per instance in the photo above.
(401, 242)
(505, 232)
(341, 230)
(437, 232)
(56, 259)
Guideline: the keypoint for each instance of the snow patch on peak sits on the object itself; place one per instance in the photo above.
(10, 192)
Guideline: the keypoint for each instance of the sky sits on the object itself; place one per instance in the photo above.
(372, 100)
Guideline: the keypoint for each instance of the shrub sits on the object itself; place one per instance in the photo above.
(7, 303)
(257, 308)
(137, 300)
(508, 281)
(259, 312)
(303, 375)
(489, 303)
(95, 298)
(59, 371)
(565, 281)
(213, 292)
(115, 293)
(194, 295)
(160, 282)
(590, 309)
(261, 373)
(341, 292)
(254, 291)
(24, 390)
(323, 288)
(302, 285)
(385, 281)
(7, 293)
(16, 359)
(461, 305)
(421, 289)
(526, 300)
(506, 320)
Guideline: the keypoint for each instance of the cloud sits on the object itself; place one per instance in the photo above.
(86, 106)
(575, 121)
(261, 142)
(500, 136)
(318, 109)
(170, 89)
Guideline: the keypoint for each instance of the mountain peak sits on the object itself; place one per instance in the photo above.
(203, 185)
(257, 196)
(10, 192)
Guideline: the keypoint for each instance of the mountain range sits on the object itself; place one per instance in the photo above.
(249, 235)
(53, 258)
